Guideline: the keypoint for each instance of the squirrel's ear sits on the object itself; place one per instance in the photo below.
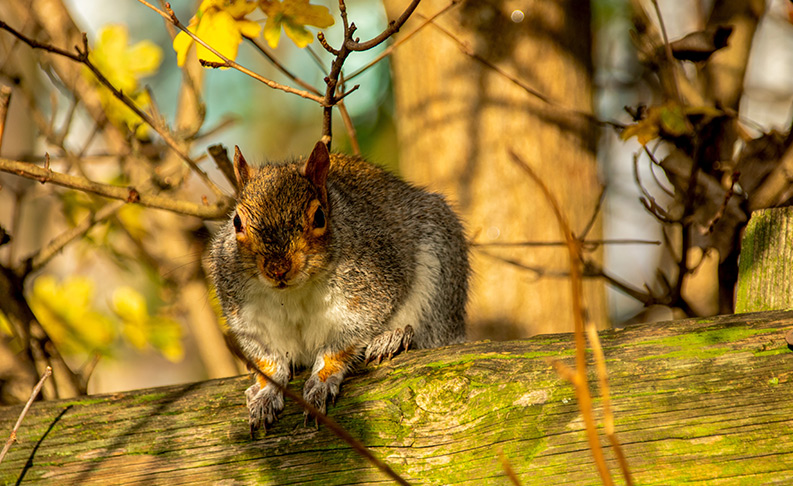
(241, 169)
(317, 166)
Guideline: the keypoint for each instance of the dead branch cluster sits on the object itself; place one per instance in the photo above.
(714, 172)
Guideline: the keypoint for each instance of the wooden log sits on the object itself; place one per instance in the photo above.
(765, 269)
(704, 401)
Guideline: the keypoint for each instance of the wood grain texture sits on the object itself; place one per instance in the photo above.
(701, 401)
(766, 264)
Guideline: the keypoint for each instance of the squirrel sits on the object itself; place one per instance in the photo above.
(331, 260)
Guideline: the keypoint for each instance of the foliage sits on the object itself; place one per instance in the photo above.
(123, 65)
(68, 312)
(222, 24)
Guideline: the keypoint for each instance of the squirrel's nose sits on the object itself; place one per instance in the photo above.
(279, 270)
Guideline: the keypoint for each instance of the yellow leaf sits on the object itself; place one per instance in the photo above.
(221, 24)
(123, 66)
(135, 334)
(218, 29)
(299, 35)
(294, 15)
(66, 312)
(272, 31)
(131, 215)
(144, 58)
(129, 305)
(5, 326)
(673, 120)
(182, 43)
(644, 131)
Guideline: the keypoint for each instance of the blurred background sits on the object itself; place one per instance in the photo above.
(125, 304)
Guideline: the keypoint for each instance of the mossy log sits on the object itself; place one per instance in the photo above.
(700, 401)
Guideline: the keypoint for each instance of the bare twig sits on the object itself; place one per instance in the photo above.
(44, 255)
(513, 478)
(577, 377)
(720, 213)
(33, 395)
(591, 223)
(393, 28)
(275, 62)
(128, 194)
(468, 51)
(667, 48)
(5, 101)
(585, 244)
(221, 158)
(402, 39)
(349, 45)
(348, 125)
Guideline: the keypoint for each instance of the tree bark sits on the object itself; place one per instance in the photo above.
(457, 120)
(701, 401)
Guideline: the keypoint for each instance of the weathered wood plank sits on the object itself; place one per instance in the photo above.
(703, 401)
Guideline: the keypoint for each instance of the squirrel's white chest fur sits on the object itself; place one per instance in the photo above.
(294, 323)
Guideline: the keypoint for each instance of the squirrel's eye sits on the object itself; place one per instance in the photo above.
(237, 223)
(319, 218)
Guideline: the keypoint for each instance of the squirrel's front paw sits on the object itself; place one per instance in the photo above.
(317, 392)
(388, 344)
(263, 406)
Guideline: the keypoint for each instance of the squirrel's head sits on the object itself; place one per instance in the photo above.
(282, 218)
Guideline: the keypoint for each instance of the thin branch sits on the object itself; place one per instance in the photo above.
(466, 49)
(221, 157)
(325, 45)
(720, 213)
(37, 260)
(402, 39)
(587, 244)
(5, 101)
(33, 395)
(348, 125)
(578, 377)
(595, 213)
(647, 200)
(667, 47)
(593, 269)
(317, 60)
(513, 478)
(275, 62)
(393, 28)
(344, 95)
(129, 194)
(82, 58)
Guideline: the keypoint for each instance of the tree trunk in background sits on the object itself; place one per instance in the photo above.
(457, 120)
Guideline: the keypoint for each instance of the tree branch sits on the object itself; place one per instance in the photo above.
(44, 255)
(129, 194)
(393, 28)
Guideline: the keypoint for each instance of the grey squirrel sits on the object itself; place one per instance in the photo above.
(329, 260)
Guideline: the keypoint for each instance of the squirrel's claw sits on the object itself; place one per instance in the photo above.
(263, 406)
(317, 392)
(389, 344)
